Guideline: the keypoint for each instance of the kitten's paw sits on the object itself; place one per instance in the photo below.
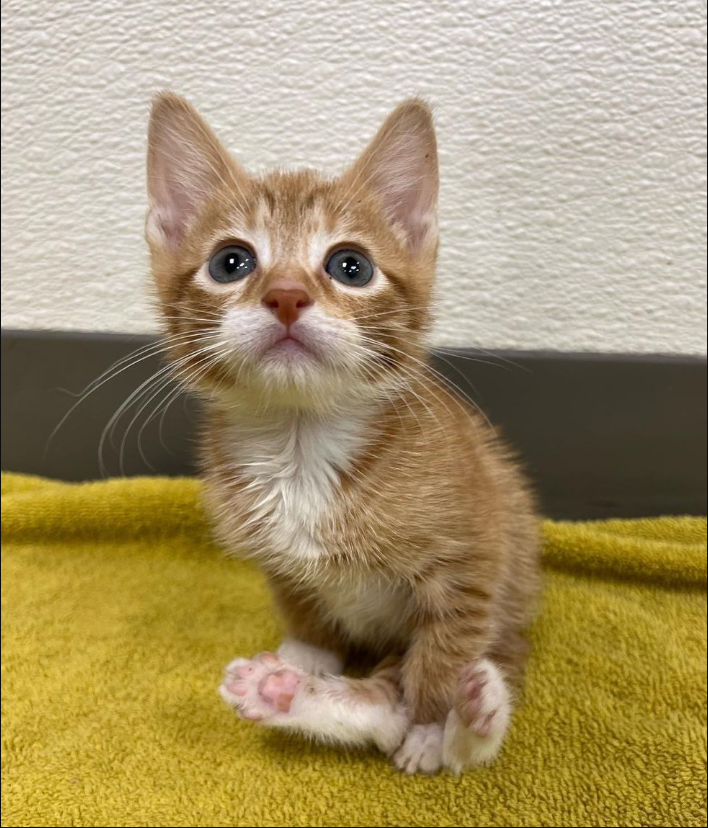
(482, 697)
(476, 727)
(260, 689)
(422, 750)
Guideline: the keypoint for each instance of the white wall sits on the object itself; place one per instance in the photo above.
(572, 139)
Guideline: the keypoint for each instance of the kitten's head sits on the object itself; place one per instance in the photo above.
(292, 287)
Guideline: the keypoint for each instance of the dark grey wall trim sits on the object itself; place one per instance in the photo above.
(602, 434)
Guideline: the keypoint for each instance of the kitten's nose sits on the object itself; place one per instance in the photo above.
(286, 303)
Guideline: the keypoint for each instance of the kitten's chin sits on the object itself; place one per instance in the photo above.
(290, 375)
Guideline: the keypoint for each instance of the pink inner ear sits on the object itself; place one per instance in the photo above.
(400, 165)
(408, 190)
(170, 227)
(176, 215)
(177, 189)
(186, 166)
(420, 210)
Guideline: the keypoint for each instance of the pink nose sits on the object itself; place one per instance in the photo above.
(286, 304)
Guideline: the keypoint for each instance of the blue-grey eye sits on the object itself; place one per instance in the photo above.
(231, 264)
(350, 268)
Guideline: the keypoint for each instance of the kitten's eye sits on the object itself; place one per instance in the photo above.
(231, 264)
(350, 268)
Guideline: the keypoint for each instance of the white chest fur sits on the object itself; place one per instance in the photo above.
(292, 463)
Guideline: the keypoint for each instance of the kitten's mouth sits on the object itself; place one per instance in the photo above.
(290, 346)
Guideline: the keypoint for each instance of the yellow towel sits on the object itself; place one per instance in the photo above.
(118, 616)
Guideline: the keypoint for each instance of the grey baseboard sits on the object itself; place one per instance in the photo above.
(602, 434)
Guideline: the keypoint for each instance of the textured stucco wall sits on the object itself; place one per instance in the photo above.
(572, 139)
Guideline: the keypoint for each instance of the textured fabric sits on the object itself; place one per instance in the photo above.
(118, 616)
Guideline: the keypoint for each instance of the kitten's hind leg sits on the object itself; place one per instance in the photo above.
(337, 709)
(478, 722)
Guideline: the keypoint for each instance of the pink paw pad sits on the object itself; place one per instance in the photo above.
(279, 689)
(261, 688)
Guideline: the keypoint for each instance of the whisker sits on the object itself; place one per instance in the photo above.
(166, 368)
(175, 388)
(435, 349)
(202, 352)
(114, 370)
(109, 428)
(446, 382)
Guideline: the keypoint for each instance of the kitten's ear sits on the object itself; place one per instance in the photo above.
(401, 166)
(186, 166)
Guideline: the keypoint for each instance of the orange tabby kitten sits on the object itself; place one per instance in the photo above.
(385, 513)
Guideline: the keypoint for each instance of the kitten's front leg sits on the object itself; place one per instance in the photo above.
(459, 701)
(272, 692)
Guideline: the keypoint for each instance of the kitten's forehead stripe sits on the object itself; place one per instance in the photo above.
(289, 225)
(269, 200)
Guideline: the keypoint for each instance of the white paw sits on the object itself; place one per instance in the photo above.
(261, 689)
(476, 727)
(422, 750)
(312, 660)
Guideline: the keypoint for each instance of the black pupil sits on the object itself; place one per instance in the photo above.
(351, 267)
